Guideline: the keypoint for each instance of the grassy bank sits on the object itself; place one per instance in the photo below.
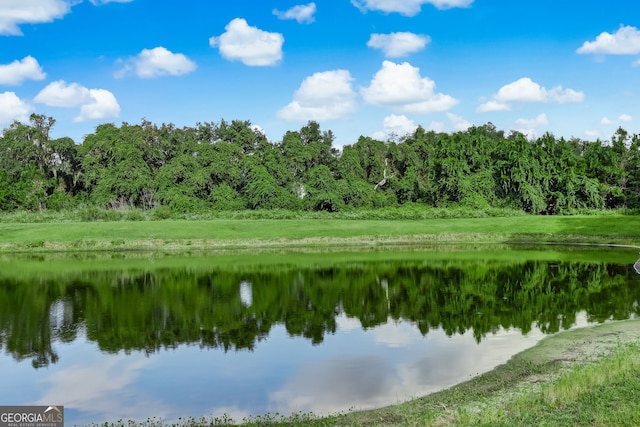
(225, 233)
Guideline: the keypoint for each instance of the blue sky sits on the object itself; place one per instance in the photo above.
(359, 67)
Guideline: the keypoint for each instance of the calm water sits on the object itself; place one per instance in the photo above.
(207, 335)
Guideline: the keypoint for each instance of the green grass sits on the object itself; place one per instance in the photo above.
(604, 393)
(216, 233)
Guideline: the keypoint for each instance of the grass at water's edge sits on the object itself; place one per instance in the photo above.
(588, 376)
(305, 232)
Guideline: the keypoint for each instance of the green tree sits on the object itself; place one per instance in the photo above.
(322, 190)
(520, 180)
(263, 192)
(607, 164)
(308, 148)
(241, 133)
(115, 172)
(632, 189)
(33, 165)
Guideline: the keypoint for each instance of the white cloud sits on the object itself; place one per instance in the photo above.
(592, 133)
(322, 96)
(16, 12)
(458, 122)
(540, 120)
(250, 45)
(526, 90)
(394, 125)
(625, 41)
(61, 94)
(493, 106)
(156, 62)
(564, 96)
(530, 126)
(301, 13)
(103, 106)
(12, 108)
(522, 90)
(112, 378)
(95, 104)
(407, 7)
(398, 44)
(436, 126)
(621, 119)
(401, 125)
(18, 71)
(636, 63)
(400, 86)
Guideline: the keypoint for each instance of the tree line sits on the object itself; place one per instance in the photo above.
(232, 166)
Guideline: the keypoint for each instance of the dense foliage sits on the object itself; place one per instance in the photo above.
(232, 166)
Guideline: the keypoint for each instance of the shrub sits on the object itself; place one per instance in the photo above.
(133, 215)
(91, 213)
(60, 200)
(161, 212)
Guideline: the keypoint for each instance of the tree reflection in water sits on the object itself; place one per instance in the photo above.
(235, 310)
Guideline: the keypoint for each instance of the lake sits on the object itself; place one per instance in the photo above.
(137, 335)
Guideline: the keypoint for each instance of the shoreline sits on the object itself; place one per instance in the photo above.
(524, 375)
(319, 243)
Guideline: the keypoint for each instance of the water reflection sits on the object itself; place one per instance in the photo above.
(285, 337)
(385, 371)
